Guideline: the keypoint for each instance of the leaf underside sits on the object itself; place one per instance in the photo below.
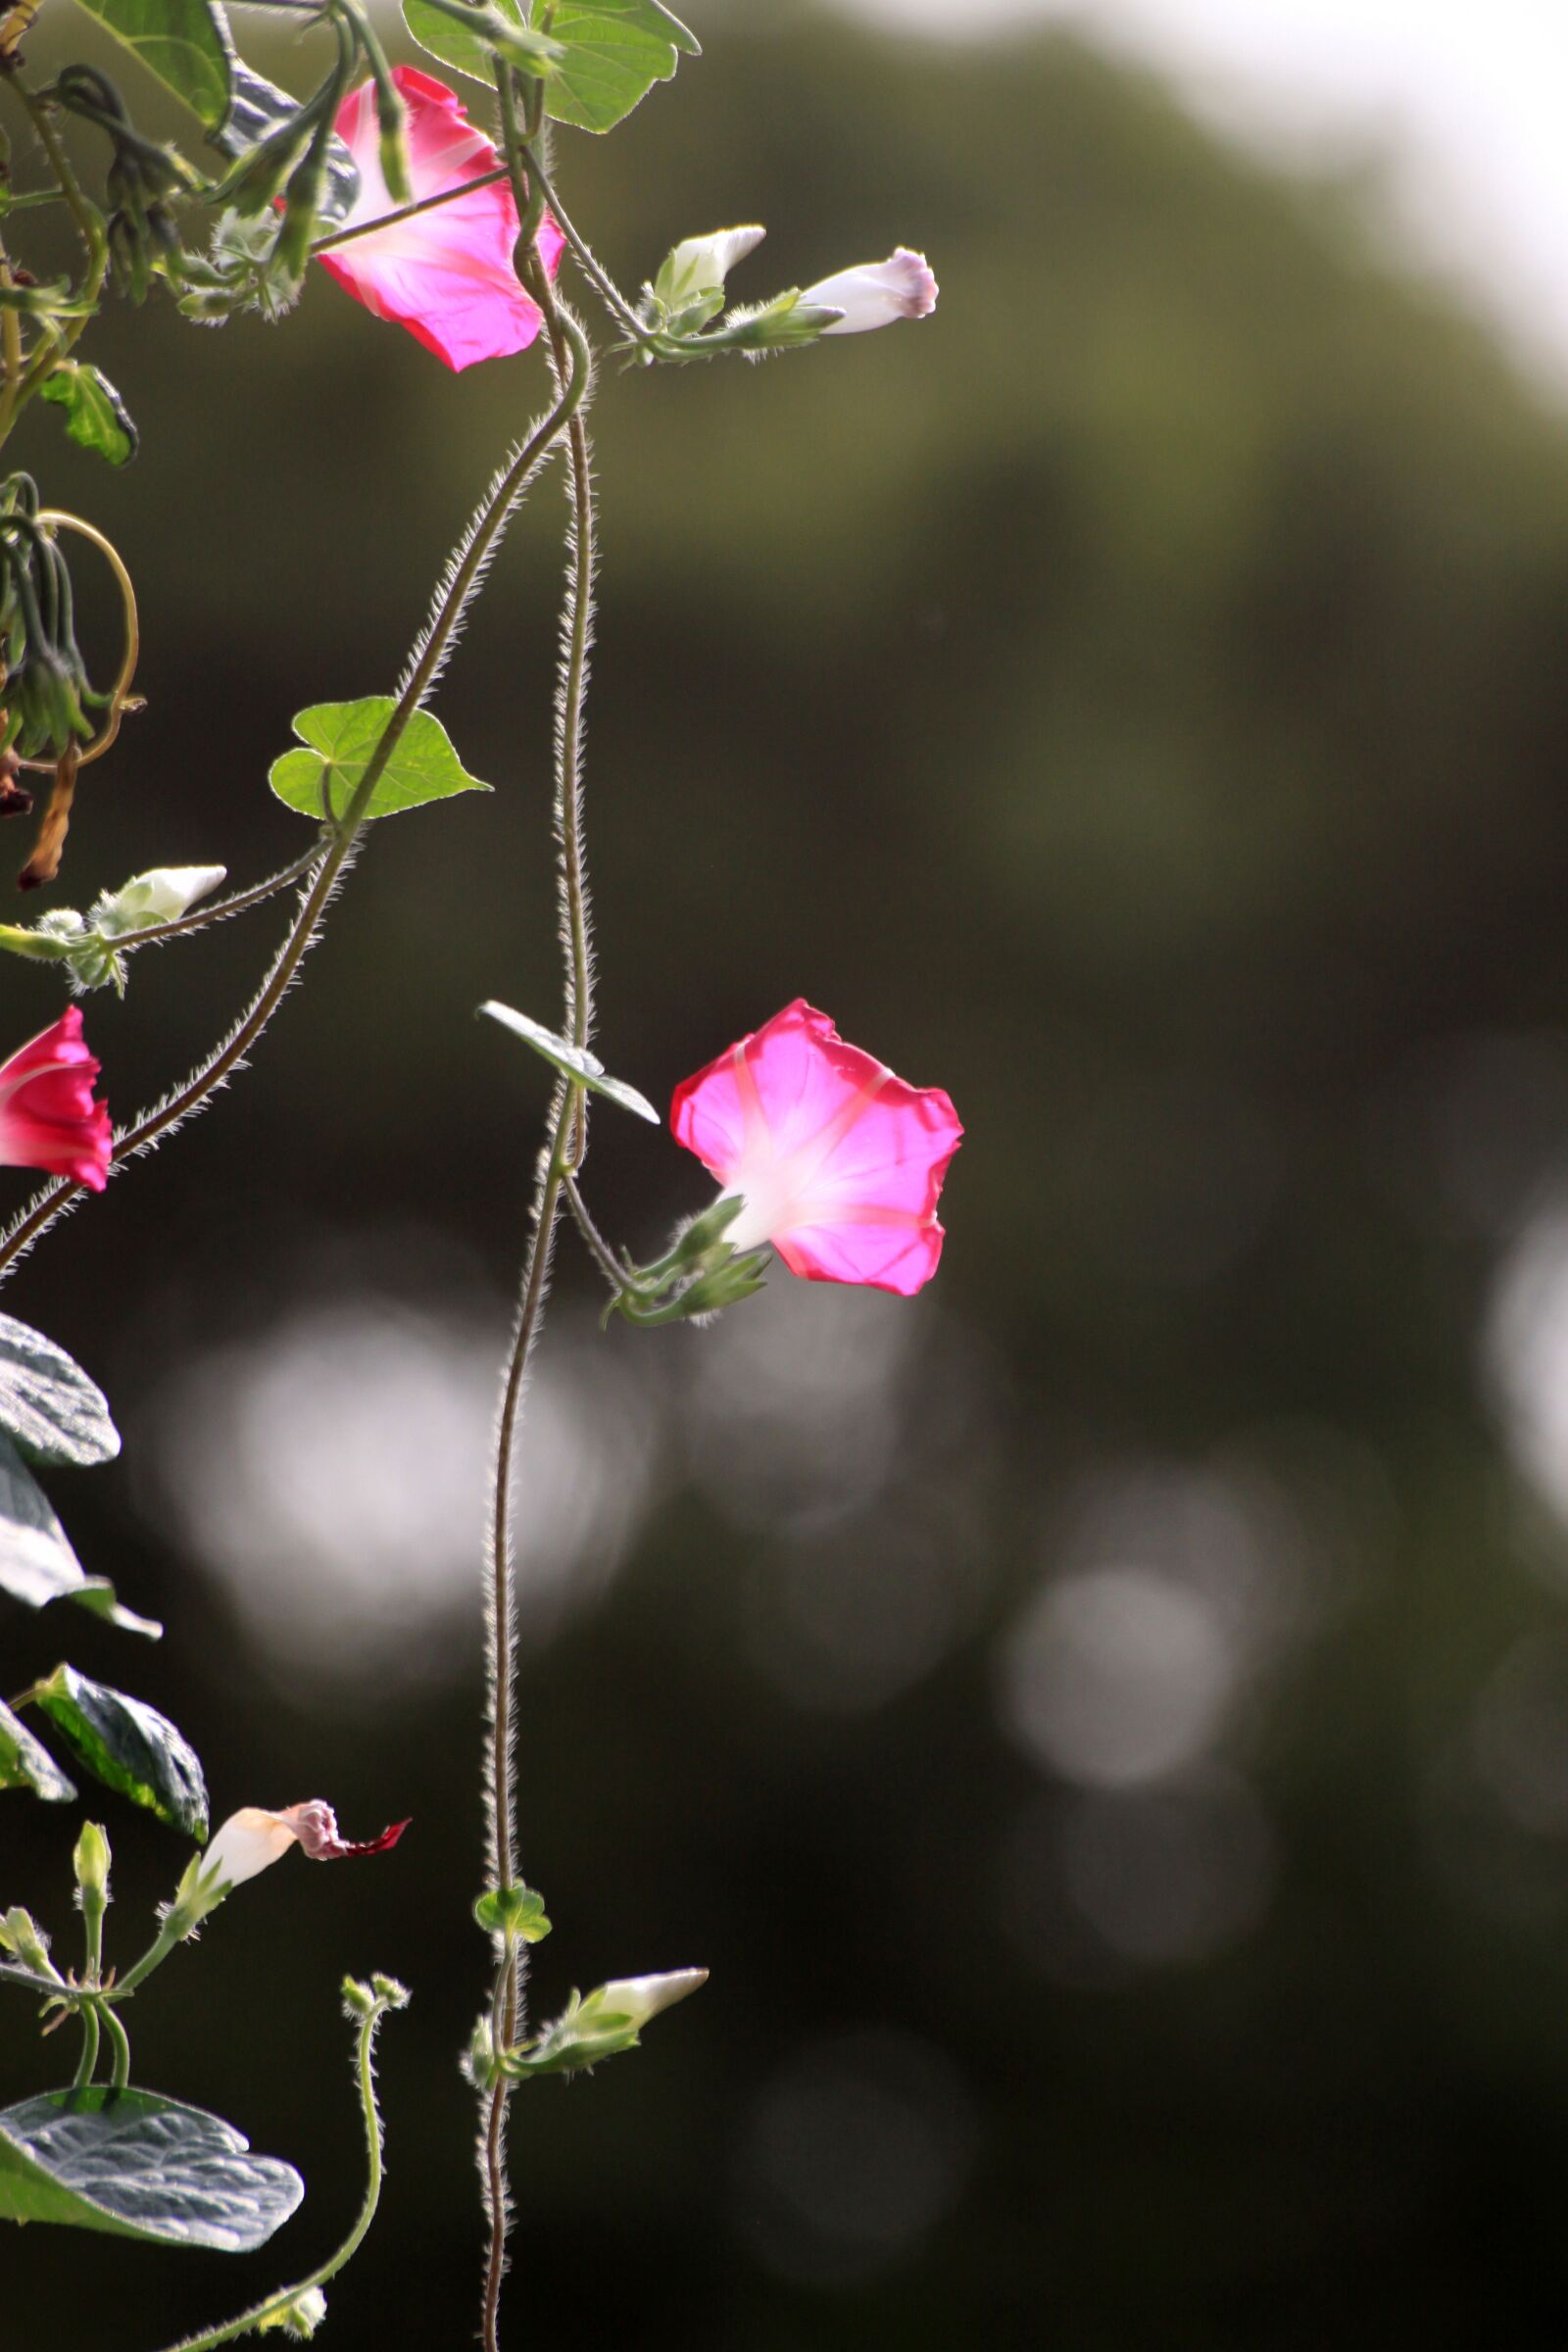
(139, 2165)
(53, 1410)
(185, 43)
(573, 1061)
(26, 1763)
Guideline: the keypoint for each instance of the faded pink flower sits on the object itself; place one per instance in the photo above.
(838, 1161)
(251, 1839)
(445, 275)
(48, 1118)
(876, 293)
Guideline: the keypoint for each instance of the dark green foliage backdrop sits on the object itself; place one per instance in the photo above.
(1135, 700)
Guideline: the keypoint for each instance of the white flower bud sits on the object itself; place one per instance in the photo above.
(876, 293)
(639, 1998)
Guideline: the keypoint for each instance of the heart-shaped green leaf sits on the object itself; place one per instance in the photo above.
(616, 51)
(96, 418)
(573, 1061)
(342, 737)
(184, 42)
(52, 1410)
(26, 1763)
(129, 1746)
(140, 2166)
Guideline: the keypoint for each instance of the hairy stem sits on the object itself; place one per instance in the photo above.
(365, 2076)
(568, 1139)
(452, 597)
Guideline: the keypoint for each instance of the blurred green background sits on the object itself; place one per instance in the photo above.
(1105, 1724)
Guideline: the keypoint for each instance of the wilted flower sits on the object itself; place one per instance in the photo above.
(876, 293)
(839, 1163)
(445, 275)
(250, 1839)
(48, 1118)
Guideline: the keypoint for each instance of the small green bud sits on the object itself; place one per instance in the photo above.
(359, 2002)
(21, 1936)
(92, 1864)
(480, 2059)
(299, 2317)
(389, 1992)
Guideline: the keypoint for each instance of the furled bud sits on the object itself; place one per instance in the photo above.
(162, 896)
(699, 265)
(90, 1862)
(21, 1936)
(299, 2317)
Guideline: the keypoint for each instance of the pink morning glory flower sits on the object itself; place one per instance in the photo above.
(838, 1163)
(251, 1839)
(48, 1118)
(445, 275)
(876, 293)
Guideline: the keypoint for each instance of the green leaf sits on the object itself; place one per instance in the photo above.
(52, 1410)
(342, 736)
(573, 1061)
(96, 418)
(512, 1911)
(26, 1763)
(140, 2166)
(468, 52)
(97, 1594)
(616, 51)
(129, 1746)
(184, 42)
(36, 1561)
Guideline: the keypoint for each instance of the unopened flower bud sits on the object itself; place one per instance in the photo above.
(876, 293)
(299, 2317)
(162, 896)
(21, 1936)
(699, 265)
(638, 1998)
(90, 1862)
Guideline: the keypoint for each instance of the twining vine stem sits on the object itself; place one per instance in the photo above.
(329, 864)
(567, 1143)
(275, 2305)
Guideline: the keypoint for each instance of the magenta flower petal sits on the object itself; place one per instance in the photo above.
(446, 274)
(840, 1163)
(48, 1118)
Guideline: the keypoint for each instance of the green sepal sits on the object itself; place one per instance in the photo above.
(26, 1763)
(185, 43)
(572, 1062)
(96, 418)
(54, 1413)
(139, 2165)
(512, 1911)
(128, 1747)
(502, 28)
(616, 51)
(341, 739)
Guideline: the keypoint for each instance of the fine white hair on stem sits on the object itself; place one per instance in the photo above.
(484, 517)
